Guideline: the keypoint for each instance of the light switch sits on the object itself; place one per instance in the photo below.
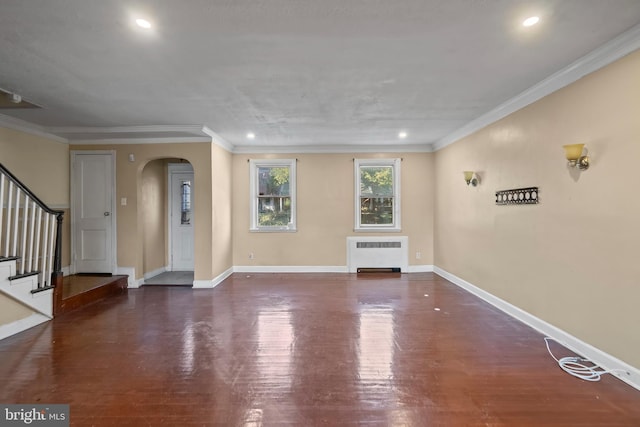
(123, 201)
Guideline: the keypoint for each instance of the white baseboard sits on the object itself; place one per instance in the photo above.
(132, 282)
(210, 284)
(628, 374)
(314, 269)
(420, 269)
(66, 270)
(22, 325)
(290, 269)
(154, 273)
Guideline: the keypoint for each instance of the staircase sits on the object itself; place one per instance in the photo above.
(25, 289)
(30, 247)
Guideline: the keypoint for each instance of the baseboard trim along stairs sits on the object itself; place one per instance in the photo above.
(22, 325)
(24, 288)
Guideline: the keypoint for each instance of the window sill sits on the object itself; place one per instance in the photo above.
(273, 230)
(377, 230)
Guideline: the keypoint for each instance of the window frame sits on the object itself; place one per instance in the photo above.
(254, 165)
(395, 226)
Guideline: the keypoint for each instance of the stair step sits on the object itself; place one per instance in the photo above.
(9, 258)
(20, 276)
(42, 289)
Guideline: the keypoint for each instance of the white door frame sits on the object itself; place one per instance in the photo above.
(72, 188)
(171, 169)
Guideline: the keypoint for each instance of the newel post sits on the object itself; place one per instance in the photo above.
(56, 275)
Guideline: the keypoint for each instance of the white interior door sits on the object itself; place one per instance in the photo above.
(92, 187)
(181, 221)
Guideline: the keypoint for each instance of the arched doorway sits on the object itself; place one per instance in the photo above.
(167, 207)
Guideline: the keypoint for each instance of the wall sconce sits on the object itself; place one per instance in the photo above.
(573, 152)
(468, 177)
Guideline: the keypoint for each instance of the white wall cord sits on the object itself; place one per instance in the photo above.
(579, 366)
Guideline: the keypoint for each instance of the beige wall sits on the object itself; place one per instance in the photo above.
(11, 310)
(572, 260)
(154, 207)
(43, 166)
(325, 211)
(131, 217)
(221, 218)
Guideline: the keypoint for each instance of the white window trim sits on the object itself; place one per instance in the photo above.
(396, 226)
(253, 178)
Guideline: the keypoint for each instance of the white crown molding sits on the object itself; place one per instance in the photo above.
(129, 141)
(30, 128)
(333, 149)
(615, 49)
(218, 140)
(192, 129)
(625, 372)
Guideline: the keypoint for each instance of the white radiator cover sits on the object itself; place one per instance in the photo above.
(377, 252)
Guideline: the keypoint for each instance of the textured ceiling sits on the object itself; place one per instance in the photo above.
(294, 72)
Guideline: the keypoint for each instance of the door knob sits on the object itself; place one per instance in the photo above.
(107, 214)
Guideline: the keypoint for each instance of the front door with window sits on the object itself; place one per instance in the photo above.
(181, 221)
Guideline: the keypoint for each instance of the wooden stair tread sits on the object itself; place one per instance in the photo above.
(20, 276)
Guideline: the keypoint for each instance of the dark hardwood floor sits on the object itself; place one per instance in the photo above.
(303, 350)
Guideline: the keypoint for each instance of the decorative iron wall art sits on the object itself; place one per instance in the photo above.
(518, 196)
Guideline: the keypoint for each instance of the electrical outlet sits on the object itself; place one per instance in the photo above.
(418, 255)
(251, 256)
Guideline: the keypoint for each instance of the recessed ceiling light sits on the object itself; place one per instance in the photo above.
(251, 135)
(402, 135)
(143, 23)
(533, 20)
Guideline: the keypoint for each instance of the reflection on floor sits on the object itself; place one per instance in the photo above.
(171, 278)
(291, 349)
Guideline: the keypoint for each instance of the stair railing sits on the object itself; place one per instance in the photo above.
(30, 233)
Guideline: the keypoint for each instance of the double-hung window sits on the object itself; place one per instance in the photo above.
(377, 204)
(273, 194)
